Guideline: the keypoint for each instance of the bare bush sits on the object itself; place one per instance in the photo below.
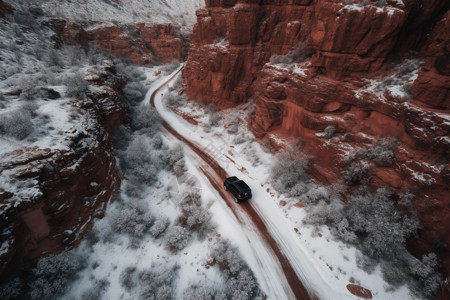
(174, 100)
(158, 227)
(214, 116)
(299, 53)
(17, 123)
(11, 289)
(157, 282)
(134, 92)
(177, 238)
(77, 86)
(203, 293)
(134, 220)
(194, 216)
(329, 132)
(382, 152)
(141, 161)
(53, 58)
(96, 292)
(128, 278)
(126, 68)
(289, 177)
(373, 224)
(176, 160)
(53, 273)
(170, 67)
(241, 283)
(147, 120)
(356, 173)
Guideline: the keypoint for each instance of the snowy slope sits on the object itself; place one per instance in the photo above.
(156, 11)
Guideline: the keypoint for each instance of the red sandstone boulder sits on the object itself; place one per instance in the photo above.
(359, 291)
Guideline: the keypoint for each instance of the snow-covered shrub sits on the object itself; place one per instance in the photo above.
(177, 238)
(429, 281)
(11, 289)
(174, 100)
(158, 227)
(381, 2)
(176, 161)
(196, 218)
(214, 116)
(73, 55)
(146, 119)
(17, 123)
(121, 138)
(76, 86)
(329, 132)
(382, 152)
(170, 67)
(356, 173)
(128, 278)
(243, 286)
(241, 283)
(96, 292)
(141, 161)
(134, 92)
(312, 194)
(53, 58)
(289, 177)
(53, 273)
(134, 220)
(177, 84)
(299, 53)
(381, 228)
(125, 68)
(203, 293)
(156, 283)
(371, 222)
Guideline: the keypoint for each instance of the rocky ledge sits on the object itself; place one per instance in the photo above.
(51, 196)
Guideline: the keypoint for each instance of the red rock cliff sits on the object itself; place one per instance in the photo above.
(65, 189)
(142, 43)
(370, 72)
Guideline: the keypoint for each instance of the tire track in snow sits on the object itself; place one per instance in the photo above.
(216, 179)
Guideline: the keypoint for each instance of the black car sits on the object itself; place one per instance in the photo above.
(240, 190)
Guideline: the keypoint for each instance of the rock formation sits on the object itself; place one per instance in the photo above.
(142, 43)
(62, 190)
(341, 77)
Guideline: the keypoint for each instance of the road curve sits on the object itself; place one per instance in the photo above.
(216, 179)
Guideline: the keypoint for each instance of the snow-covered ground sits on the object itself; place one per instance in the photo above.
(155, 11)
(114, 253)
(324, 264)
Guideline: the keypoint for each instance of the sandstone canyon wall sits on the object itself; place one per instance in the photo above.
(62, 190)
(142, 43)
(369, 71)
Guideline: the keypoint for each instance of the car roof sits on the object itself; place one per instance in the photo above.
(241, 186)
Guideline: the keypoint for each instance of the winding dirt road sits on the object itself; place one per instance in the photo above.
(216, 175)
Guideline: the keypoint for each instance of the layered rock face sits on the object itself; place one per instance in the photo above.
(62, 189)
(142, 43)
(366, 72)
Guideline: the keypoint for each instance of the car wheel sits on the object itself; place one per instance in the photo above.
(236, 199)
(225, 187)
